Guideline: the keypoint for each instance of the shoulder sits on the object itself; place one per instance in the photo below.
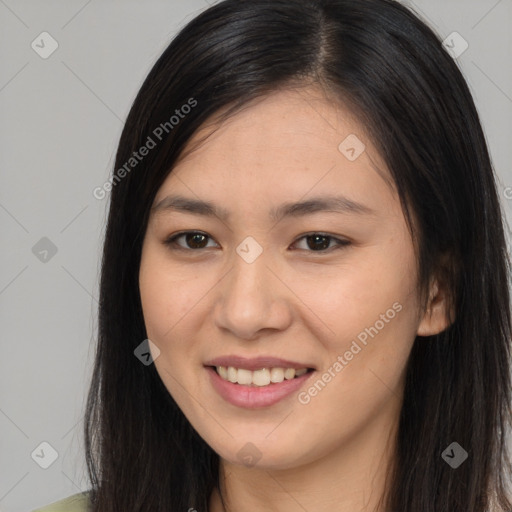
(75, 503)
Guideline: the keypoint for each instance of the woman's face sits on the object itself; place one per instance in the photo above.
(328, 285)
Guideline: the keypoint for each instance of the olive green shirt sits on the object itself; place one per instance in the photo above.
(75, 503)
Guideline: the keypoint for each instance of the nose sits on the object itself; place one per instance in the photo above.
(252, 300)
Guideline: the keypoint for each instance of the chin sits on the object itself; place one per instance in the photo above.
(261, 453)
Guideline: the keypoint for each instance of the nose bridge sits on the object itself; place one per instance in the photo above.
(249, 282)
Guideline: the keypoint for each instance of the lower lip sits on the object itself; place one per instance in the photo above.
(253, 397)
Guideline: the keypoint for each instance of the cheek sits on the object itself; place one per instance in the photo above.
(166, 300)
(167, 304)
(363, 374)
(374, 344)
(349, 298)
(156, 304)
(371, 311)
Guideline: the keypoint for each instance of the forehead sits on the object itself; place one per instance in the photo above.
(289, 119)
(282, 146)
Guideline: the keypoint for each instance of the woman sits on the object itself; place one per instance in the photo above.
(304, 293)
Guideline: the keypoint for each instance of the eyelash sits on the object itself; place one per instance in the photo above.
(172, 241)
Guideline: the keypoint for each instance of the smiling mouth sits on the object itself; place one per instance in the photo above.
(259, 378)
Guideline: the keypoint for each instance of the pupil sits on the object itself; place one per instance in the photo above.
(195, 236)
(316, 238)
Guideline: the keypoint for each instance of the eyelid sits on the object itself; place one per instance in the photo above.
(340, 242)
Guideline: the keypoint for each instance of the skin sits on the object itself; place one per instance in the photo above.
(294, 301)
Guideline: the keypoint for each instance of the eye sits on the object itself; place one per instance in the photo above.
(315, 242)
(193, 239)
(319, 242)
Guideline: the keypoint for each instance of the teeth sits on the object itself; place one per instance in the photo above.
(289, 373)
(232, 374)
(243, 376)
(261, 377)
(276, 375)
(223, 372)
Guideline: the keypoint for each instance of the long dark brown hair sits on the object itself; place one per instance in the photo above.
(379, 59)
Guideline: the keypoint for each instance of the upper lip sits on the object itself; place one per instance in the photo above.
(255, 363)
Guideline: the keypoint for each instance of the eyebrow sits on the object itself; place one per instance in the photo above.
(335, 204)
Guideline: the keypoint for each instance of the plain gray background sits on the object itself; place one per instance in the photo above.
(60, 121)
